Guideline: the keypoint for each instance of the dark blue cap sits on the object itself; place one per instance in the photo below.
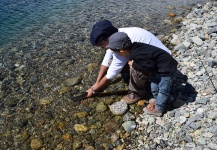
(101, 31)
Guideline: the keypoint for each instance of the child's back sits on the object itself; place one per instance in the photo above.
(150, 58)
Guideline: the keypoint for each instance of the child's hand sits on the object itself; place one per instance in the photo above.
(130, 63)
(89, 93)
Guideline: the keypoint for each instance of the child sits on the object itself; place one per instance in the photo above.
(153, 62)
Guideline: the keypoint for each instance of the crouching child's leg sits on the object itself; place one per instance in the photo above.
(164, 89)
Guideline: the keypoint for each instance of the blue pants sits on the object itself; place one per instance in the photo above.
(161, 88)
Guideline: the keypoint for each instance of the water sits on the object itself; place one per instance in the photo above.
(24, 18)
(19, 18)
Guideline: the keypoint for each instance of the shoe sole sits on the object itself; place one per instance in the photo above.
(152, 113)
(129, 102)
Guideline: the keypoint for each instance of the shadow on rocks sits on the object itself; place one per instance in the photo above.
(182, 92)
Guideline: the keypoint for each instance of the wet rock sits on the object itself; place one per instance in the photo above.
(67, 136)
(80, 114)
(89, 148)
(36, 143)
(11, 102)
(80, 128)
(92, 66)
(65, 90)
(20, 138)
(45, 100)
(73, 81)
(23, 123)
(101, 107)
(77, 144)
(111, 127)
(114, 137)
(129, 126)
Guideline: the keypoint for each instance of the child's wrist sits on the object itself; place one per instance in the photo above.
(92, 90)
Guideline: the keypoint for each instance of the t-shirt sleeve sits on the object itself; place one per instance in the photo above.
(116, 66)
(107, 58)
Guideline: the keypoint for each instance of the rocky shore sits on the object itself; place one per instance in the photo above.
(193, 125)
(40, 75)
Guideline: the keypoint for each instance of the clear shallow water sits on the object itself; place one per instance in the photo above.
(24, 18)
(29, 16)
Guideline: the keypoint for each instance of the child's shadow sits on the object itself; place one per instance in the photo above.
(182, 92)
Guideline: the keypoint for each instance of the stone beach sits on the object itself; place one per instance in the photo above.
(193, 126)
(39, 76)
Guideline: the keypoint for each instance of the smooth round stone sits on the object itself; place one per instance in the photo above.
(118, 108)
(129, 126)
(36, 143)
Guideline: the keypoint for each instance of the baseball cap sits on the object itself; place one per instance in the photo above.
(118, 41)
(101, 31)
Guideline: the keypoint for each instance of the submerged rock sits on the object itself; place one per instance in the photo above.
(80, 128)
(36, 143)
(101, 107)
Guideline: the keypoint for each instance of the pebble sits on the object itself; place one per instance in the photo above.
(36, 143)
(129, 126)
(101, 107)
(80, 128)
(118, 108)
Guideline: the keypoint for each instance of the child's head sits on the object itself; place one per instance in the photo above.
(100, 33)
(120, 43)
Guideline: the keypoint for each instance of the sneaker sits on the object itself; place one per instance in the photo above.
(131, 98)
(153, 112)
(151, 104)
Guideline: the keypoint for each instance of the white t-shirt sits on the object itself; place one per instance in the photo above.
(136, 35)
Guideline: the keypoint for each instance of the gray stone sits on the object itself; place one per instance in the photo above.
(190, 145)
(213, 30)
(212, 146)
(201, 141)
(182, 119)
(213, 129)
(188, 139)
(177, 114)
(186, 44)
(128, 116)
(129, 126)
(197, 40)
(212, 63)
(195, 126)
(180, 47)
(201, 101)
(118, 108)
(211, 24)
(151, 120)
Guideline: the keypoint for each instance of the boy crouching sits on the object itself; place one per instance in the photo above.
(154, 64)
